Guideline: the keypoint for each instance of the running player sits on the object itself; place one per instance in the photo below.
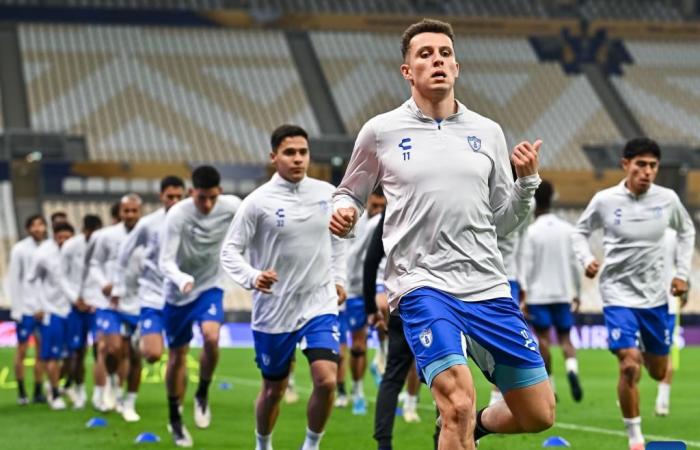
(297, 270)
(445, 172)
(551, 283)
(189, 262)
(634, 216)
(25, 305)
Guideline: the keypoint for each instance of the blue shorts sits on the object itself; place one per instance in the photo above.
(646, 328)
(151, 321)
(441, 330)
(25, 328)
(54, 337)
(110, 322)
(671, 324)
(558, 315)
(381, 289)
(179, 319)
(353, 318)
(274, 352)
(79, 325)
(515, 290)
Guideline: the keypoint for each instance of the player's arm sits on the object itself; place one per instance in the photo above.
(167, 259)
(373, 258)
(97, 262)
(14, 283)
(589, 221)
(511, 201)
(66, 280)
(37, 274)
(137, 238)
(683, 224)
(361, 178)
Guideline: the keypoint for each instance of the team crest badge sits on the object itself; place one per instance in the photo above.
(426, 337)
(474, 143)
(615, 333)
(265, 359)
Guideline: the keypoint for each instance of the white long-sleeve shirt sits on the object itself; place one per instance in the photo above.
(191, 246)
(670, 254)
(449, 190)
(147, 236)
(549, 271)
(284, 227)
(357, 250)
(633, 226)
(24, 298)
(76, 253)
(48, 273)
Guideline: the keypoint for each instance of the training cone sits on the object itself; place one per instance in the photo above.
(225, 386)
(555, 441)
(96, 422)
(146, 437)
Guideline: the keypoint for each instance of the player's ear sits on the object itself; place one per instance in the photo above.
(625, 163)
(406, 72)
(457, 74)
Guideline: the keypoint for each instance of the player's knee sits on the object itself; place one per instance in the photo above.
(211, 339)
(273, 393)
(151, 356)
(358, 350)
(457, 412)
(539, 419)
(658, 371)
(630, 370)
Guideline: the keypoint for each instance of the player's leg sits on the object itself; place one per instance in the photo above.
(113, 357)
(39, 366)
(341, 400)
(23, 336)
(78, 326)
(133, 376)
(357, 321)
(290, 393)
(410, 404)
(99, 371)
(210, 315)
(453, 391)
(378, 364)
(663, 396)
(53, 351)
(563, 320)
(151, 331)
(267, 408)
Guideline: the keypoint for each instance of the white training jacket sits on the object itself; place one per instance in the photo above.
(24, 298)
(284, 227)
(549, 271)
(48, 275)
(357, 251)
(191, 246)
(633, 273)
(146, 235)
(449, 190)
(77, 253)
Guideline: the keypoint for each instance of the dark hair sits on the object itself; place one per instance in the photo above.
(30, 220)
(171, 181)
(378, 191)
(544, 195)
(424, 26)
(114, 210)
(640, 146)
(63, 226)
(58, 215)
(205, 177)
(91, 222)
(285, 131)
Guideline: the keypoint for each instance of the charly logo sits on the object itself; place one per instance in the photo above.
(658, 212)
(474, 143)
(280, 217)
(618, 216)
(426, 337)
(529, 342)
(405, 146)
(323, 204)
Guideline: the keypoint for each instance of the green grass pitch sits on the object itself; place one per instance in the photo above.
(593, 424)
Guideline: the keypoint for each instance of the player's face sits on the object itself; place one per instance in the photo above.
(291, 159)
(171, 195)
(37, 229)
(375, 205)
(205, 199)
(62, 236)
(430, 64)
(641, 172)
(130, 213)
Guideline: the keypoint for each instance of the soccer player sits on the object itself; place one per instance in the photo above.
(297, 270)
(81, 319)
(55, 307)
(25, 305)
(352, 318)
(147, 235)
(445, 171)
(118, 321)
(551, 283)
(189, 262)
(634, 216)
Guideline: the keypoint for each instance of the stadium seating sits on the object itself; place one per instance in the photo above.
(501, 78)
(163, 94)
(8, 234)
(662, 88)
(650, 10)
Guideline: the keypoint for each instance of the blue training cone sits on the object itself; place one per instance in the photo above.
(96, 422)
(555, 441)
(225, 386)
(146, 437)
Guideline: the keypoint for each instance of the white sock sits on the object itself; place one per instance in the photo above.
(411, 402)
(572, 365)
(496, 396)
(357, 389)
(664, 394)
(263, 442)
(290, 382)
(312, 440)
(118, 392)
(130, 400)
(634, 430)
(98, 393)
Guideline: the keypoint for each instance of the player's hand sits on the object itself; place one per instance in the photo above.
(592, 269)
(265, 281)
(523, 308)
(107, 289)
(378, 321)
(39, 315)
(114, 300)
(187, 288)
(342, 221)
(525, 158)
(342, 295)
(679, 288)
(81, 306)
(575, 304)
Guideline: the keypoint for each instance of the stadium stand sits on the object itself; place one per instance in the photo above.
(163, 94)
(647, 10)
(502, 8)
(662, 88)
(501, 78)
(8, 234)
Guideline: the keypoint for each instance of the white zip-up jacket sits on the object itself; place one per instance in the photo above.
(357, 251)
(549, 271)
(77, 253)
(449, 190)
(284, 227)
(191, 246)
(633, 273)
(48, 274)
(24, 298)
